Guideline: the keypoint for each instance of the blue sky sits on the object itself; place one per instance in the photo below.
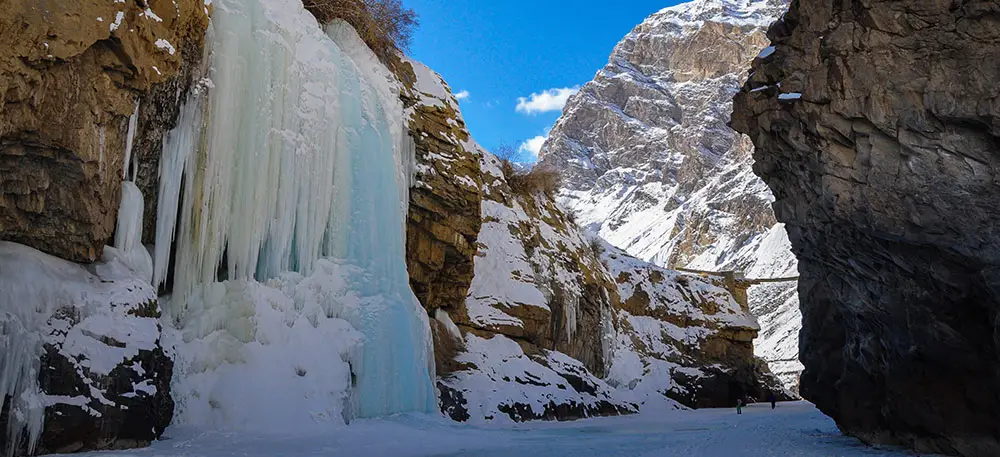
(498, 51)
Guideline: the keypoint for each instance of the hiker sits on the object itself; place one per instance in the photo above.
(739, 406)
(773, 400)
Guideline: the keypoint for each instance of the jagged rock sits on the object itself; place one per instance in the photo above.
(877, 126)
(538, 279)
(652, 166)
(549, 329)
(71, 73)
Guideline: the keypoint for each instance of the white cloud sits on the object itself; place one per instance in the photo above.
(462, 95)
(549, 100)
(533, 146)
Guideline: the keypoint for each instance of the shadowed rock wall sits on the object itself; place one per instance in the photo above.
(877, 126)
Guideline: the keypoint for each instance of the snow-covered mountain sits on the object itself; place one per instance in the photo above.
(652, 166)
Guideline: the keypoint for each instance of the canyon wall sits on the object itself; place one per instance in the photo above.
(554, 324)
(877, 126)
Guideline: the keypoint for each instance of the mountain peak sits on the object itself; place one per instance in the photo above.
(753, 13)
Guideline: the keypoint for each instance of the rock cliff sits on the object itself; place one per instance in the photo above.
(445, 200)
(72, 75)
(877, 126)
(653, 167)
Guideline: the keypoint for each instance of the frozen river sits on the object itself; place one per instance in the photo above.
(793, 429)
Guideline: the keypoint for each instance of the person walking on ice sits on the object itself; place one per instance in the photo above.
(772, 400)
(739, 406)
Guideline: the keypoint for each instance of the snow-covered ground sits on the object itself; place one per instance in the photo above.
(793, 429)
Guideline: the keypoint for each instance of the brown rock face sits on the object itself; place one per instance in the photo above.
(881, 145)
(70, 75)
(444, 215)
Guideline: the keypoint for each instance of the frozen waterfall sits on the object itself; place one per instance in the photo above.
(284, 192)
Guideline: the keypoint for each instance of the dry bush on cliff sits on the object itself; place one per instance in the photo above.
(384, 25)
(539, 179)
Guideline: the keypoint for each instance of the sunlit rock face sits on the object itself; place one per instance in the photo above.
(72, 75)
(653, 167)
(877, 126)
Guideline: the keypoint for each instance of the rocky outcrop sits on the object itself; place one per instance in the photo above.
(877, 126)
(688, 327)
(652, 166)
(87, 86)
(444, 215)
(532, 326)
(649, 160)
(103, 378)
(552, 326)
(72, 74)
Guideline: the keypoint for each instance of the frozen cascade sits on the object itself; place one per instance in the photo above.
(133, 122)
(128, 234)
(290, 290)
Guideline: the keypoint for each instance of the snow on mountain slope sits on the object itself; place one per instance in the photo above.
(557, 325)
(652, 166)
(753, 13)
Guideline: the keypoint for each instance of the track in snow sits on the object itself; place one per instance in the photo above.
(794, 429)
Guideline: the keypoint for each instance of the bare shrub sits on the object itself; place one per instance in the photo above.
(539, 179)
(508, 156)
(385, 25)
(596, 246)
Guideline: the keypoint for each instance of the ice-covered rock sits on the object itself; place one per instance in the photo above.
(82, 357)
(72, 73)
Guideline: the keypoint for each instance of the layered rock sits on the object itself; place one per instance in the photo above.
(72, 75)
(690, 330)
(877, 126)
(444, 220)
(89, 89)
(652, 166)
(532, 324)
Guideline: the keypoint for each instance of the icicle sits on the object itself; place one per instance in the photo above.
(128, 235)
(133, 122)
(129, 229)
(178, 145)
(20, 355)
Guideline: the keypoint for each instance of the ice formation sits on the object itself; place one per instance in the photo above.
(33, 286)
(128, 234)
(289, 230)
